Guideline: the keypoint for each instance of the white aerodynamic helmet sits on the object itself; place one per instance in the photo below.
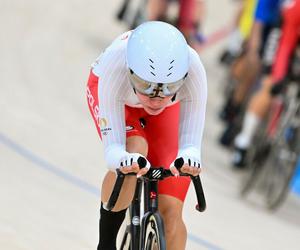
(157, 58)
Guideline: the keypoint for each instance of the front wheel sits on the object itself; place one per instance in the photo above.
(256, 162)
(124, 234)
(154, 233)
(281, 166)
(125, 244)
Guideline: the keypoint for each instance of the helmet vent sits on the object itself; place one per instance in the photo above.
(152, 66)
(171, 68)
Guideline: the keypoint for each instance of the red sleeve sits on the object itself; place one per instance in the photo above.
(288, 41)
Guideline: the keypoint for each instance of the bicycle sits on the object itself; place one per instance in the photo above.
(134, 13)
(282, 161)
(145, 230)
(273, 161)
(264, 139)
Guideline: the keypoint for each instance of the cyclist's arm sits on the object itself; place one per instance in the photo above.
(192, 108)
(113, 86)
(260, 19)
(287, 43)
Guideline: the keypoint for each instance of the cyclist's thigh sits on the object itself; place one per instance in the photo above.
(162, 135)
(175, 187)
(157, 9)
(126, 194)
(170, 206)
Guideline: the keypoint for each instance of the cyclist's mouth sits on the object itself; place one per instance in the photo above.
(154, 111)
(157, 97)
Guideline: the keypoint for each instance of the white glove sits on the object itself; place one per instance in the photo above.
(129, 164)
(131, 158)
(191, 158)
(115, 156)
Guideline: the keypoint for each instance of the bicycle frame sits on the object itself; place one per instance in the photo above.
(137, 223)
(150, 204)
(286, 103)
(283, 118)
(149, 184)
(150, 198)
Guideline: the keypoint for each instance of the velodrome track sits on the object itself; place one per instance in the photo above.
(51, 161)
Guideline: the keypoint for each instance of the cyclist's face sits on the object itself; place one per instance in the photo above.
(153, 105)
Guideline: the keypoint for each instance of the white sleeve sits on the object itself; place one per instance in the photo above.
(193, 96)
(113, 87)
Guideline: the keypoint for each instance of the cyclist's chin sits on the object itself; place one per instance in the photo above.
(153, 111)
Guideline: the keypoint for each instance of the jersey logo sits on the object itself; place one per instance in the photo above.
(103, 124)
(129, 128)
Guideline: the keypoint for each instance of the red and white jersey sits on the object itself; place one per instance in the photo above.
(115, 90)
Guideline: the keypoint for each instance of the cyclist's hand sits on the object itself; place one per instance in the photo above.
(191, 166)
(278, 87)
(129, 164)
(191, 162)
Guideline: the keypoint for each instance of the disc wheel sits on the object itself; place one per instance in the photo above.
(154, 234)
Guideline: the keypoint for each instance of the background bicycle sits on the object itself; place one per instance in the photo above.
(273, 160)
(187, 15)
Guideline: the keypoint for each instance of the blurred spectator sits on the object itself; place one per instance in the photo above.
(189, 20)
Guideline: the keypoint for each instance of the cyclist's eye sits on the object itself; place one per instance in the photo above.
(142, 85)
(173, 88)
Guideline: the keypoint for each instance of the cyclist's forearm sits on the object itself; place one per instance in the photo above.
(286, 46)
(193, 106)
(255, 37)
(114, 154)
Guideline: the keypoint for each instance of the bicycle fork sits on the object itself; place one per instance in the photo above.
(135, 216)
(137, 227)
